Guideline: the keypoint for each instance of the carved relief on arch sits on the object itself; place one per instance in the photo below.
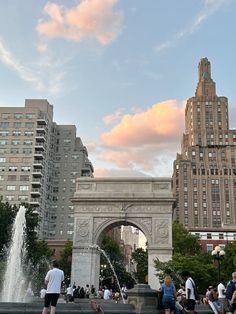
(162, 228)
(82, 230)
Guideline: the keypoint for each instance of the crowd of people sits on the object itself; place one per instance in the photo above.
(221, 299)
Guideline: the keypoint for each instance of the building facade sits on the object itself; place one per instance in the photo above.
(204, 174)
(39, 162)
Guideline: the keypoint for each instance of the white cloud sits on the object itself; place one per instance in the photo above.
(209, 7)
(45, 75)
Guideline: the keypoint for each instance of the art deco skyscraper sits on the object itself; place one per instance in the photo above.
(204, 177)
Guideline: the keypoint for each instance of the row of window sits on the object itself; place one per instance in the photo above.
(14, 188)
(14, 168)
(16, 133)
(17, 115)
(16, 142)
(16, 125)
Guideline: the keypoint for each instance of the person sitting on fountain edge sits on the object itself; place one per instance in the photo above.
(53, 280)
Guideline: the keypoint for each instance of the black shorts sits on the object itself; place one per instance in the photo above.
(190, 304)
(51, 298)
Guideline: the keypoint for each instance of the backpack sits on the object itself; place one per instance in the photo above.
(231, 287)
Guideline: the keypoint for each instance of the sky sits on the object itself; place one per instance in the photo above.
(120, 70)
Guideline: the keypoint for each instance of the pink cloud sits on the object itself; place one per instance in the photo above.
(112, 117)
(162, 122)
(145, 141)
(90, 18)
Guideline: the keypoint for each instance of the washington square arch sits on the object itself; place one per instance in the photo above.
(101, 204)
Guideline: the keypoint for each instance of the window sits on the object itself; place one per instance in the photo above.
(9, 197)
(11, 178)
(25, 168)
(16, 133)
(209, 236)
(221, 236)
(2, 159)
(17, 125)
(18, 115)
(12, 168)
(28, 142)
(6, 115)
(11, 187)
(29, 115)
(29, 125)
(23, 198)
(4, 133)
(24, 187)
(24, 178)
(14, 151)
(29, 133)
(15, 142)
(4, 125)
(209, 247)
(3, 142)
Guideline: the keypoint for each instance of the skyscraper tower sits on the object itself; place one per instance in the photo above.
(39, 163)
(204, 176)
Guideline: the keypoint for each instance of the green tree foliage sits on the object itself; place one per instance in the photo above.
(203, 276)
(183, 242)
(65, 261)
(7, 216)
(140, 257)
(112, 249)
(228, 264)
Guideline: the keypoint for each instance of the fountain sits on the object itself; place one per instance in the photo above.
(14, 282)
(95, 246)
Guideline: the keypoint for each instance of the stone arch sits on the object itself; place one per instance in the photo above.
(100, 203)
(116, 222)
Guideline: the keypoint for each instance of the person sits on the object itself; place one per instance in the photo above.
(169, 295)
(124, 290)
(107, 294)
(232, 302)
(213, 297)
(81, 293)
(230, 289)
(221, 296)
(69, 294)
(87, 291)
(53, 280)
(190, 293)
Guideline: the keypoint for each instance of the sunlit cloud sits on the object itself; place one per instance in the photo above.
(114, 117)
(45, 75)
(89, 19)
(145, 142)
(209, 7)
(160, 122)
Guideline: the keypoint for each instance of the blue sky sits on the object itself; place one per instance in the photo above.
(120, 70)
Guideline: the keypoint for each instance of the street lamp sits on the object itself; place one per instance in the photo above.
(218, 255)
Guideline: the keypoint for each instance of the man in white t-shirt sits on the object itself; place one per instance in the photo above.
(189, 288)
(107, 294)
(221, 297)
(53, 280)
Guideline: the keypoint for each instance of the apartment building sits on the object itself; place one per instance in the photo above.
(39, 162)
(204, 174)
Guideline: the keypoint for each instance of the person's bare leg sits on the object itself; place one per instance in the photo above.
(45, 310)
(53, 310)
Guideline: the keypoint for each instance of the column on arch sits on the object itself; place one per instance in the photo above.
(85, 266)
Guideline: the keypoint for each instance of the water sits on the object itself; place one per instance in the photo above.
(13, 288)
(95, 246)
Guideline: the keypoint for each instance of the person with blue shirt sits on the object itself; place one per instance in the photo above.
(169, 295)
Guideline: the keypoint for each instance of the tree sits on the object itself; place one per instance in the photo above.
(140, 257)
(65, 261)
(112, 249)
(228, 264)
(7, 216)
(184, 242)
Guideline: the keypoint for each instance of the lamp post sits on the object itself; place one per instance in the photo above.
(218, 255)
